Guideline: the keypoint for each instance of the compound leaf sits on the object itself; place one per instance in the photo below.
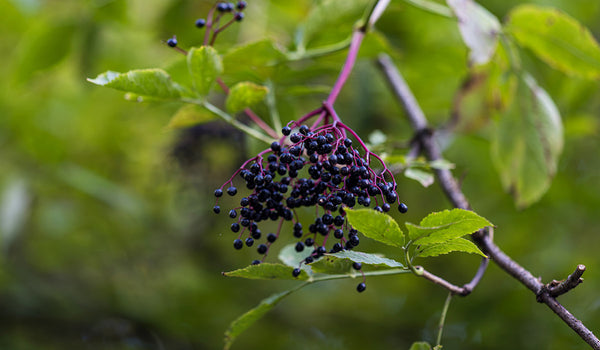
(267, 271)
(527, 142)
(378, 226)
(556, 38)
(145, 82)
(243, 95)
(455, 245)
(249, 318)
(341, 263)
(446, 225)
(205, 65)
(478, 28)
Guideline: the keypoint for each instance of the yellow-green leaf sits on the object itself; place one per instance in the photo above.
(378, 226)
(556, 38)
(243, 95)
(446, 225)
(455, 245)
(267, 271)
(145, 82)
(205, 65)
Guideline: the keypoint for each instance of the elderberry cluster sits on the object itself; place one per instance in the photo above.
(322, 169)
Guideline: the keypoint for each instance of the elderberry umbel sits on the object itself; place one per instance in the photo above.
(321, 168)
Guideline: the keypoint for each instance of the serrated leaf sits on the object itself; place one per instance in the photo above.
(145, 82)
(243, 95)
(249, 318)
(423, 177)
(204, 65)
(556, 38)
(341, 262)
(527, 143)
(420, 345)
(455, 245)
(478, 28)
(290, 257)
(267, 271)
(378, 226)
(444, 226)
(190, 115)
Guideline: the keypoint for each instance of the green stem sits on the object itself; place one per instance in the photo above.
(369, 273)
(229, 119)
(443, 319)
(416, 270)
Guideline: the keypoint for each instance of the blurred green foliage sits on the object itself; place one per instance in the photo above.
(107, 238)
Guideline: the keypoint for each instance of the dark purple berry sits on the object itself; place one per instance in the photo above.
(238, 244)
(296, 272)
(172, 42)
(385, 207)
(249, 241)
(347, 143)
(235, 227)
(239, 16)
(271, 237)
(200, 23)
(231, 191)
(309, 241)
(241, 5)
(299, 246)
(217, 209)
(286, 130)
(357, 266)
(361, 287)
(262, 248)
(402, 208)
(309, 259)
(232, 213)
(275, 146)
(339, 233)
(304, 130)
(255, 262)
(218, 192)
(222, 7)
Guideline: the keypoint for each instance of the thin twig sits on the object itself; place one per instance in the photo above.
(574, 279)
(482, 238)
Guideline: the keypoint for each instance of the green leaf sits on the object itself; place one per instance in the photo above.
(290, 257)
(446, 225)
(190, 115)
(423, 177)
(249, 318)
(341, 263)
(556, 38)
(527, 142)
(243, 95)
(331, 19)
(478, 28)
(420, 345)
(267, 271)
(145, 82)
(205, 65)
(455, 245)
(253, 56)
(378, 226)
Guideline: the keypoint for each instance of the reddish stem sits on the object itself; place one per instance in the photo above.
(355, 42)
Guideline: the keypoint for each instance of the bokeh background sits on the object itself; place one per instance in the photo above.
(107, 239)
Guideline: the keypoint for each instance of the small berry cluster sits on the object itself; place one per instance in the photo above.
(212, 22)
(319, 168)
